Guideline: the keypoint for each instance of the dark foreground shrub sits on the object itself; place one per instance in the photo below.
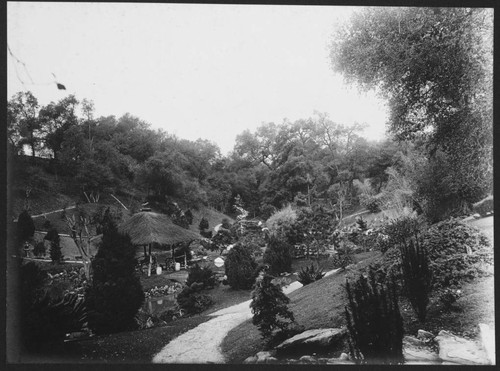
(241, 268)
(310, 274)
(269, 308)
(374, 322)
(204, 275)
(417, 276)
(115, 293)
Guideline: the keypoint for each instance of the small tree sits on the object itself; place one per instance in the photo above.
(115, 293)
(189, 216)
(203, 275)
(203, 224)
(55, 245)
(269, 307)
(374, 322)
(25, 227)
(240, 268)
(278, 256)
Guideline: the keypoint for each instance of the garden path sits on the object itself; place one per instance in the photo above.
(202, 344)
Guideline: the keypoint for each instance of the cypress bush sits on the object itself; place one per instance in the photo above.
(374, 322)
(269, 308)
(417, 276)
(310, 274)
(115, 294)
(278, 256)
(25, 227)
(204, 275)
(240, 268)
(192, 300)
(55, 245)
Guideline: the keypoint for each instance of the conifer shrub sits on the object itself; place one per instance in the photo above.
(278, 256)
(417, 276)
(25, 226)
(115, 294)
(269, 308)
(203, 275)
(373, 319)
(241, 268)
(310, 274)
(39, 249)
(344, 256)
(55, 245)
(203, 224)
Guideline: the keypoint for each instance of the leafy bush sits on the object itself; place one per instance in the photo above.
(448, 297)
(269, 307)
(374, 322)
(115, 293)
(484, 206)
(372, 203)
(400, 230)
(278, 256)
(310, 274)
(203, 224)
(204, 275)
(240, 268)
(417, 276)
(39, 249)
(344, 257)
(281, 223)
(192, 301)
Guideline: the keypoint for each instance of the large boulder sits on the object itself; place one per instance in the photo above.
(315, 339)
(262, 357)
(456, 349)
(487, 336)
(416, 351)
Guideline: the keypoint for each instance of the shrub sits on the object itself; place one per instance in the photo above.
(55, 245)
(344, 256)
(372, 203)
(203, 224)
(192, 301)
(281, 223)
(401, 229)
(25, 226)
(310, 274)
(269, 308)
(484, 206)
(204, 275)
(374, 322)
(278, 256)
(240, 268)
(115, 293)
(448, 297)
(417, 276)
(39, 249)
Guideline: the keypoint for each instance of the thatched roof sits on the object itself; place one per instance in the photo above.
(148, 227)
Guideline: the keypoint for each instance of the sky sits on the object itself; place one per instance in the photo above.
(194, 70)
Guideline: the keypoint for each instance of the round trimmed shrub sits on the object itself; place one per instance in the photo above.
(278, 256)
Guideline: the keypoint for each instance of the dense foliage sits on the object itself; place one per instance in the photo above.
(192, 300)
(25, 226)
(374, 322)
(115, 294)
(240, 268)
(278, 256)
(203, 275)
(55, 245)
(269, 307)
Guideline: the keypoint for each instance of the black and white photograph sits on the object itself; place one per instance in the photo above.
(249, 184)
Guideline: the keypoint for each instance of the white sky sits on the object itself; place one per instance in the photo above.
(197, 71)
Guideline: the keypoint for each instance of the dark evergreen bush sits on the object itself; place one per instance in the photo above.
(269, 308)
(240, 268)
(417, 276)
(374, 322)
(25, 227)
(343, 257)
(204, 275)
(39, 249)
(278, 256)
(55, 245)
(189, 216)
(203, 224)
(115, 293)
(310, 274)
(192, 301)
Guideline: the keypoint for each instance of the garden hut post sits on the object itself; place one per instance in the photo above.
(185, 261)
(150, 261)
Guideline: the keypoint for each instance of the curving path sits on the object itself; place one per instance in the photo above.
(202, 344)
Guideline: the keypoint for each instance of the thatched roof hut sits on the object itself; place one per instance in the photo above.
(145, 228)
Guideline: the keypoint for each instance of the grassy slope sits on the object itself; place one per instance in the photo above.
(319, 304)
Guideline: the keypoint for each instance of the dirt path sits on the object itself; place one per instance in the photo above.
(202, 344)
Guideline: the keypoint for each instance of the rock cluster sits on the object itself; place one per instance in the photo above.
(443, 349)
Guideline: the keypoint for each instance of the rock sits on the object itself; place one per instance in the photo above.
(487, 337)
(416, 350)
(265, 357)
(252, 359)
(317, 338)
(425, 335)
(307, 359)
(344, 357)
(456, 349)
